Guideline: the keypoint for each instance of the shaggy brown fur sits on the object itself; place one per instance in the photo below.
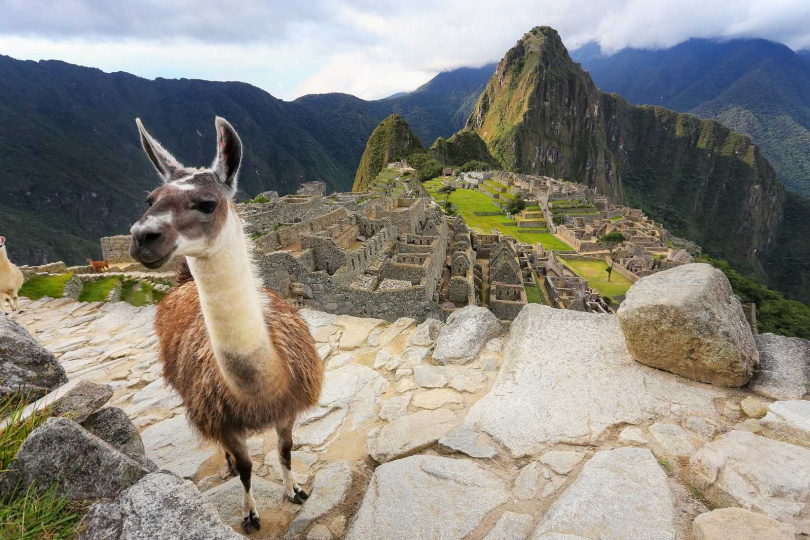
(99, 266)
(190, 367)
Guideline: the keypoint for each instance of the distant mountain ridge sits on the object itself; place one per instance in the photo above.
(753, 86)
(73, 170)
(542, 114)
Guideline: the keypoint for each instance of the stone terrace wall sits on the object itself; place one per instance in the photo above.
(357, 261)
(506, 301)
(115, 249)
(263, 218)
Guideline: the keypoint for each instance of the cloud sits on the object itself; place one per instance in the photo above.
(370, 48)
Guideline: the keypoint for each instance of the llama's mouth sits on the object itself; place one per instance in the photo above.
(153, 265)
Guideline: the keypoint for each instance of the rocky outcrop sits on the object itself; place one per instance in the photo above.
(466, 331)
(784, 367)
(621, 493)
(756, 473)
(568, 377)
(24, 364)
(426, 497)
(82, 466)
(686, 320)
(162, 506)
(113, 426)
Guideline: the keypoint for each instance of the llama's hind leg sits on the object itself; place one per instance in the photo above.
(4, 297)
(236, 447)
(285, 442)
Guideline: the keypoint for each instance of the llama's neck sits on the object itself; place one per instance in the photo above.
(232, 305)
(4, 258)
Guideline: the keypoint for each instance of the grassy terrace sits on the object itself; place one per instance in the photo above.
(38, 286)
(594, 272)
(469, 201)
(534, 294)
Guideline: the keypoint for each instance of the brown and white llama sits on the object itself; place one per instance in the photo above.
(11, 279)
(239, 356)
(99, 266)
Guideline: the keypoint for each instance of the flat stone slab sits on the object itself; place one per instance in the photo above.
(619, 494)
(331, 486)
(426, 497)
(567, 377)
(173, 445)
(561, 461)
(356, 330)
(411, 433)
(510, 526)
(740, 524)
(756, 473)
(227, 498)
(788, 421)
(464, 440)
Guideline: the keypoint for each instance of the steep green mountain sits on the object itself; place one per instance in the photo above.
(391, 141)
(73, 169)
(542, 114)
(753, 86)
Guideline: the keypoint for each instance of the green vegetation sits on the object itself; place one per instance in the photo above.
(37, 287)
(475, 165)
(98, 290)
(468, 202)
(534, 293)
(33, 514)
(613, 240)
(142, 295)
(516, 205)
(595, 273)
(463, 148)
(664, 462)
(775, 314)
(259, 199)
(426, 165)
(392, 140)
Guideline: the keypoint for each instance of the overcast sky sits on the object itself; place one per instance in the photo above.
(369, 48)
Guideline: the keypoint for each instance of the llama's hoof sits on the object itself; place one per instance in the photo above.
(300, 496)
(251, 521)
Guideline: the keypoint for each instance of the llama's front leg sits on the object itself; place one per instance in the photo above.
(16, 306)
(285, 442)
(3, 299)
(236, 447)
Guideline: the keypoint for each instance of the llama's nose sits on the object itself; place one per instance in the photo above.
(146, 236)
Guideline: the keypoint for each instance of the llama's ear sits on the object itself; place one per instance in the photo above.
(165, 163)
(229, 154)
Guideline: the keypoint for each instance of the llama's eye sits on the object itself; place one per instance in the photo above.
(207, 207)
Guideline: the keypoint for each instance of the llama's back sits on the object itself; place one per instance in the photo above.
(11, 279)
(189, 365)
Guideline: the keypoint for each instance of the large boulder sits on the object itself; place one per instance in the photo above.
(426, 497)
(783, 371)
(24, 364)
(162, 506)
(466, 331)
(568, 377)
(686, 320)
(83, 466)
(620, 493)
(753, 472)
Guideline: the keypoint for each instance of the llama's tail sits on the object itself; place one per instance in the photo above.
(183, 273)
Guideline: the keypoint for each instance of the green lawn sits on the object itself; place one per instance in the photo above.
(38, 286)
(469, 201)
(98, 290)
(533, 293)
(596, 276)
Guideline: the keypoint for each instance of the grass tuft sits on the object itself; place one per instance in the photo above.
(37, 287)
(34, 513)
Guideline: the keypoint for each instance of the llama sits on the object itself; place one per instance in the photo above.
(98, 266)
(239, 356)
(11, 279)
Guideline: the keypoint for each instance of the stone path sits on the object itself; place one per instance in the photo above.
(551, 430)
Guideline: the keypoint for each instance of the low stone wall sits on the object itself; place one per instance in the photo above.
(115, 249)
(51, 268)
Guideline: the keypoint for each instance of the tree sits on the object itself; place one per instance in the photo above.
(557, 219)
(446, 191)
(613, 239)
(516, 205)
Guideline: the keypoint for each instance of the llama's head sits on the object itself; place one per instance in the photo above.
(2, 242)
(189, 212)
